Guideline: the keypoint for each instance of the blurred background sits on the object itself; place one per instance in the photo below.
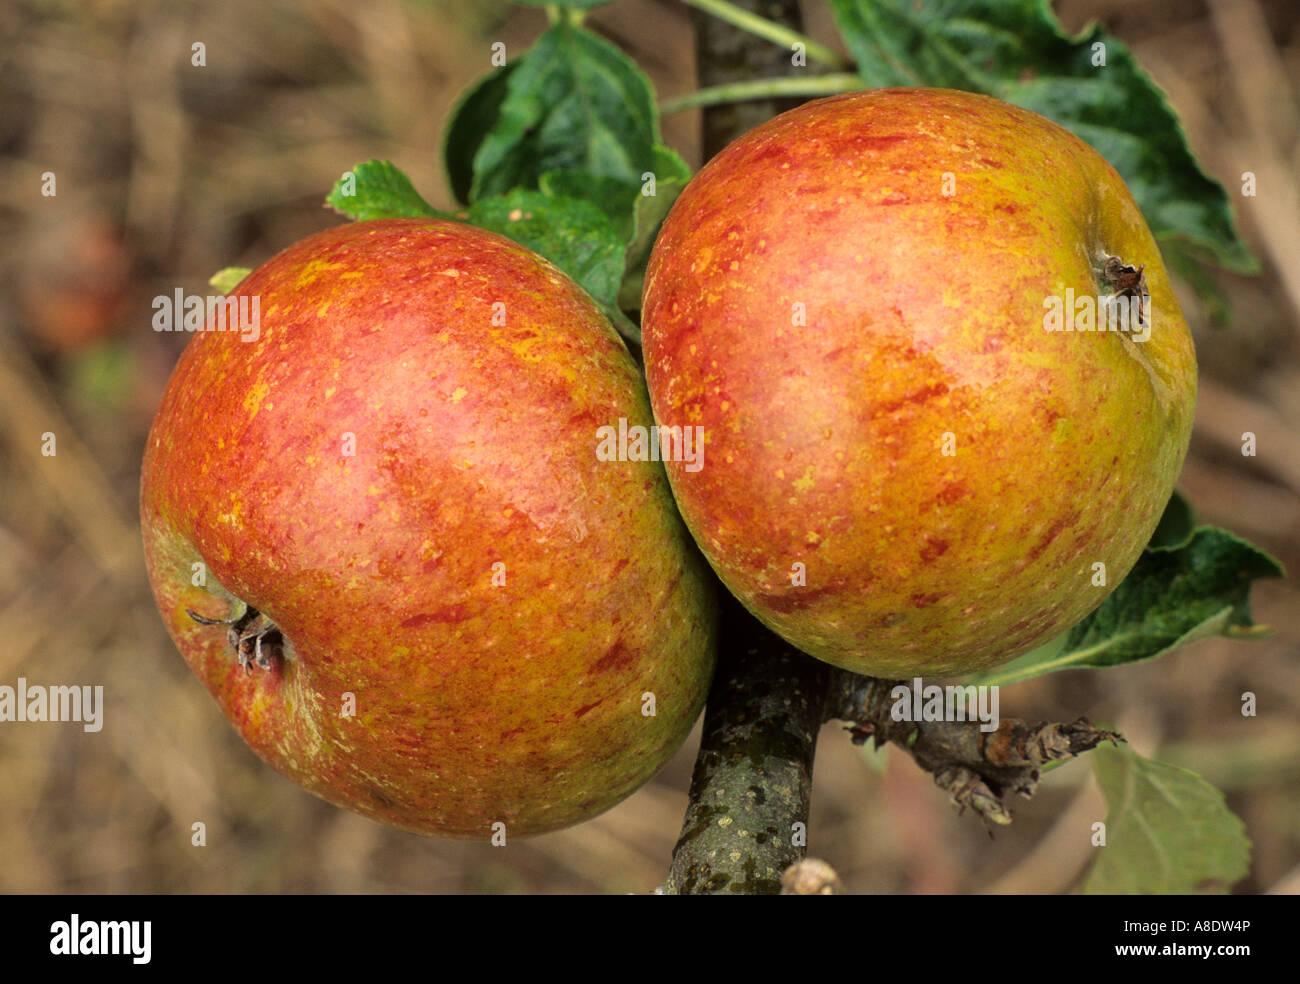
(167, 173)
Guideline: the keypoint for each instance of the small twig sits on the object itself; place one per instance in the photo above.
(759, 26)
(774, 88)
(977, 769)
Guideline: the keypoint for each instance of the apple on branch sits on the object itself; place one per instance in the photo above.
(381, 537)
(909, 472)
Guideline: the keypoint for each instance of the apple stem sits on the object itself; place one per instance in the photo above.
(254, 638)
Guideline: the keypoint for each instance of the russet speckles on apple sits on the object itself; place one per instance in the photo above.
(923, 315)
(349, 496)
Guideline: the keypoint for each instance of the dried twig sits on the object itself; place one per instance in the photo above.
(977, 769)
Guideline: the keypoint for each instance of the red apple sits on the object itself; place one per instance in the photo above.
(447, 612)
(904, 471)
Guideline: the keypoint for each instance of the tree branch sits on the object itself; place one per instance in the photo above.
(725, 54)
(748, 814)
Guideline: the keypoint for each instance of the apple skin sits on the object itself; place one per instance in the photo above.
(924, 317)
(475, 443)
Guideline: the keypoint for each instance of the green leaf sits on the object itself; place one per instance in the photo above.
(614, 197)
(1176, 526)
(1184, 263)
(472, 119)
(573, 234)
(378, 190)
(1016, 50)
(636, 210)
(573, 102)
(575, 119)
(671, 176)
(1168, 831)
(228, 279)
(1173, 596)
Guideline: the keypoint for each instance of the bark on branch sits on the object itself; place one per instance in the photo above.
(726, 54)
(748, 813)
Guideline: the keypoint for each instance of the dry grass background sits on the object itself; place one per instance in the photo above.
(167, 173)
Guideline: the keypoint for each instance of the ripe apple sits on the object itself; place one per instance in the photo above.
(381, 537)
(905, 472)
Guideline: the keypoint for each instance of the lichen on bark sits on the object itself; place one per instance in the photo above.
(747, 819)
